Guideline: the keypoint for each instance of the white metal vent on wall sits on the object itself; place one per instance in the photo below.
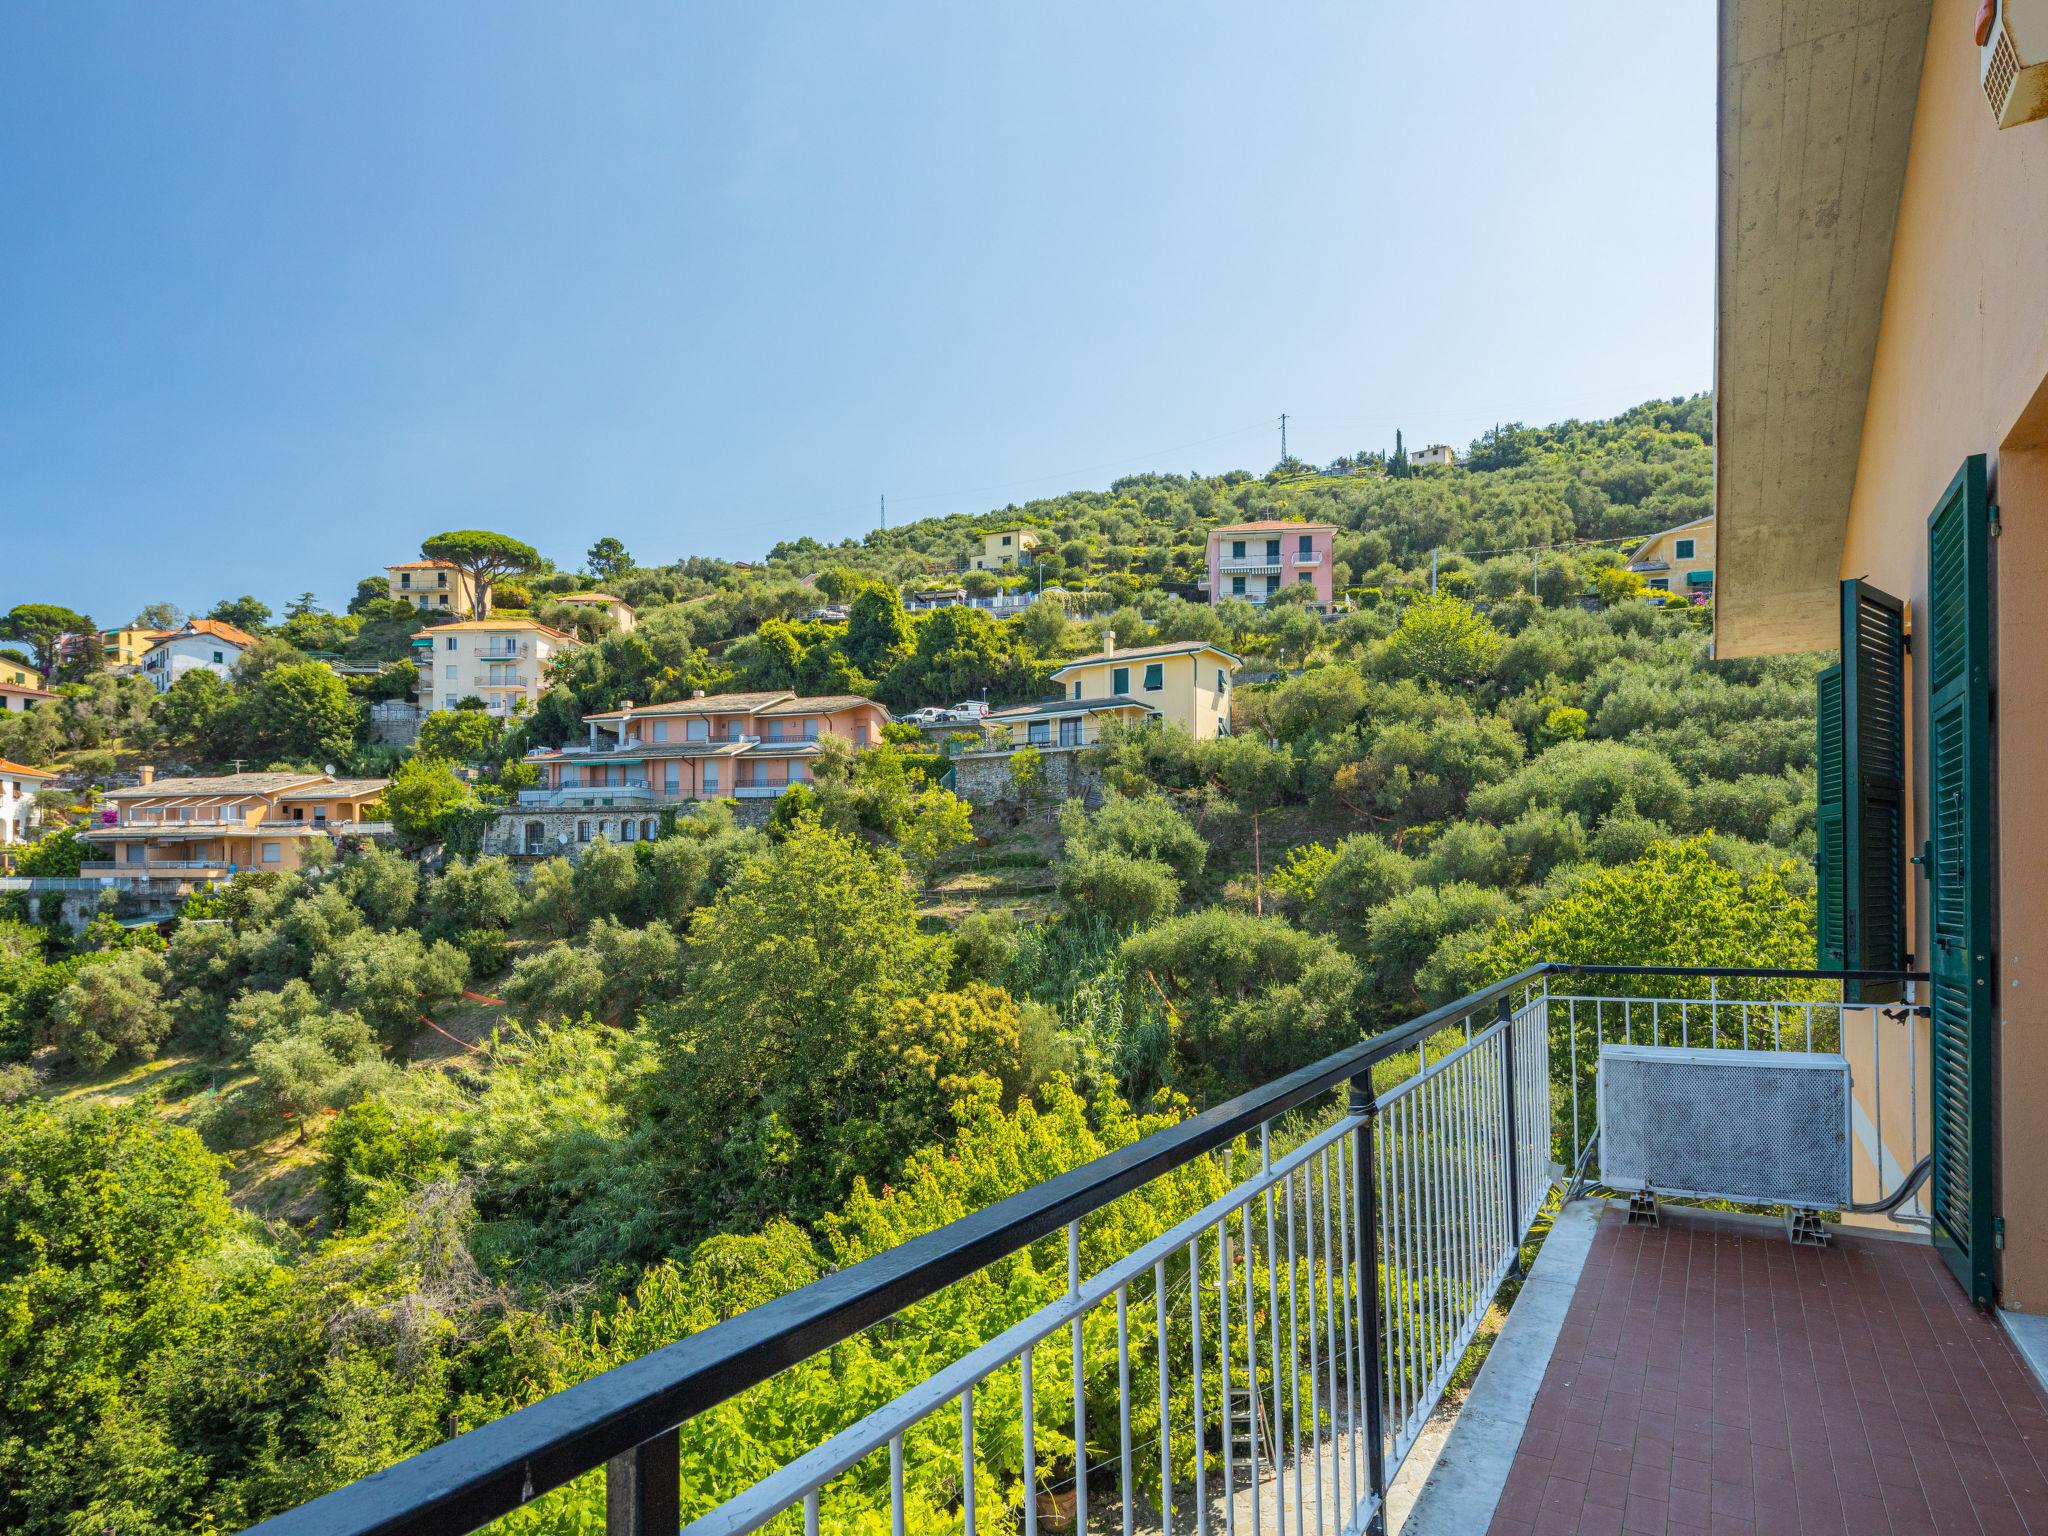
(2012, 62)
(1762, 1127)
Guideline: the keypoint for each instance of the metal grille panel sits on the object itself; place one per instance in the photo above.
(1765, 1127)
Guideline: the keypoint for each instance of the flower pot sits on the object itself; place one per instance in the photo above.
(1056, 1509)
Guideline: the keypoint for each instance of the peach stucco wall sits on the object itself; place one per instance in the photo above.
(1961, 362)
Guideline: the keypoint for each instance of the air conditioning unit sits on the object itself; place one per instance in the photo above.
(1760, 1127)
(2012, 59)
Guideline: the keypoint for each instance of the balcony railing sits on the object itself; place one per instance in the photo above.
(1296, 1328)
(1248, 563)
(632, 792)
(153, 867)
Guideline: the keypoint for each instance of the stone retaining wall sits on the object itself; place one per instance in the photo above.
(561, 826)
(1065, 773)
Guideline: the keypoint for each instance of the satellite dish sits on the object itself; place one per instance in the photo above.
(328, 769)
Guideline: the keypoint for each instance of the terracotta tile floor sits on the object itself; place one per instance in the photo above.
(1709, 1379)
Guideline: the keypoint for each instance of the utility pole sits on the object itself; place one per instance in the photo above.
(1283, 437)
(885, 512)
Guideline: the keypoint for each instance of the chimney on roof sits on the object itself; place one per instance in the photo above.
(148, 774)
(1108, 642)
(696, 693)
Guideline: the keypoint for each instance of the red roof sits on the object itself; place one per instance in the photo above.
(1275, 525)
(214, 627)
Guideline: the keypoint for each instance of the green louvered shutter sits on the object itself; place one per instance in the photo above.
(1959, 891)
(1873, 873)
(1828, 820)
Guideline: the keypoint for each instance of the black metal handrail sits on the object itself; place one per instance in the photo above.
(492, 1470)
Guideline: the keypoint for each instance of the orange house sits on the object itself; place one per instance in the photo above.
(728, 746)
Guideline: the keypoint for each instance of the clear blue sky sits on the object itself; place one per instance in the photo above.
(284, 288)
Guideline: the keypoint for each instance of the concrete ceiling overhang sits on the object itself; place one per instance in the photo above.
(1815, 119)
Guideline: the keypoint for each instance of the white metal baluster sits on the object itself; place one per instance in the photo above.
(1340, 1449)
(1429, 1294)
(1714, 1012)
(1809, 1026)
(1293, 1348)
(1364, 1259)
(1877, 1092)
(1913, 1095)
(1123, 1378)
(811, 1513)
(1276, 1450)
(1435, 1224)
(1463, 1173)
(967, 1459)
(1394, 1221)
(1201, 1418)
(1165, 1409)
(1317, 1450)
(1223, 1366)
(1251, 1368)
(896, 1485)
(1412, 1259)
(1349, 1276)
(1572, 1028)
(1500, 1188)
(1030, 1443)
(1080, 1388)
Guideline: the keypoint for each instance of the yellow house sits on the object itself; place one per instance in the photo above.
(1679, 560)
(126, 647)
(503, 661)
(432, 586)
(620, 610)
(1005, 547)
(1187, 683)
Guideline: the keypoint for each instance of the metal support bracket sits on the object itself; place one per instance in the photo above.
(1804, 1228)
(1642, 1209)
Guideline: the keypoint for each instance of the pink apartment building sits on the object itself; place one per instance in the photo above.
(728, 746)
(1253, 561)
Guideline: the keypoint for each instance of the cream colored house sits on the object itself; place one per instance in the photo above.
(620, 610)
(432, 586)
(20, 696)
(18, 786)
(503, 661)
(1435, 453)
(1679, 560)
(1187, 683)
(1006, 547)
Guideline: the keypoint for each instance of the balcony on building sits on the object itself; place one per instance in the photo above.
(1575, 1139)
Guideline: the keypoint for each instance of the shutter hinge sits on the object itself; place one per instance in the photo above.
(1998, 1232)
(1997, 527)
(1906, 642)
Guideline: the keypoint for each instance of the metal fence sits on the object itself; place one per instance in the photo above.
(1263, 1361)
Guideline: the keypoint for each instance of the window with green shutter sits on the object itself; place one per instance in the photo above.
(1828, 819)
(1860, 832)
(1873, 786)
(1959, 872)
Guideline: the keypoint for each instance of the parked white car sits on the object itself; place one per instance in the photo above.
(970, 711)
(931, 714)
